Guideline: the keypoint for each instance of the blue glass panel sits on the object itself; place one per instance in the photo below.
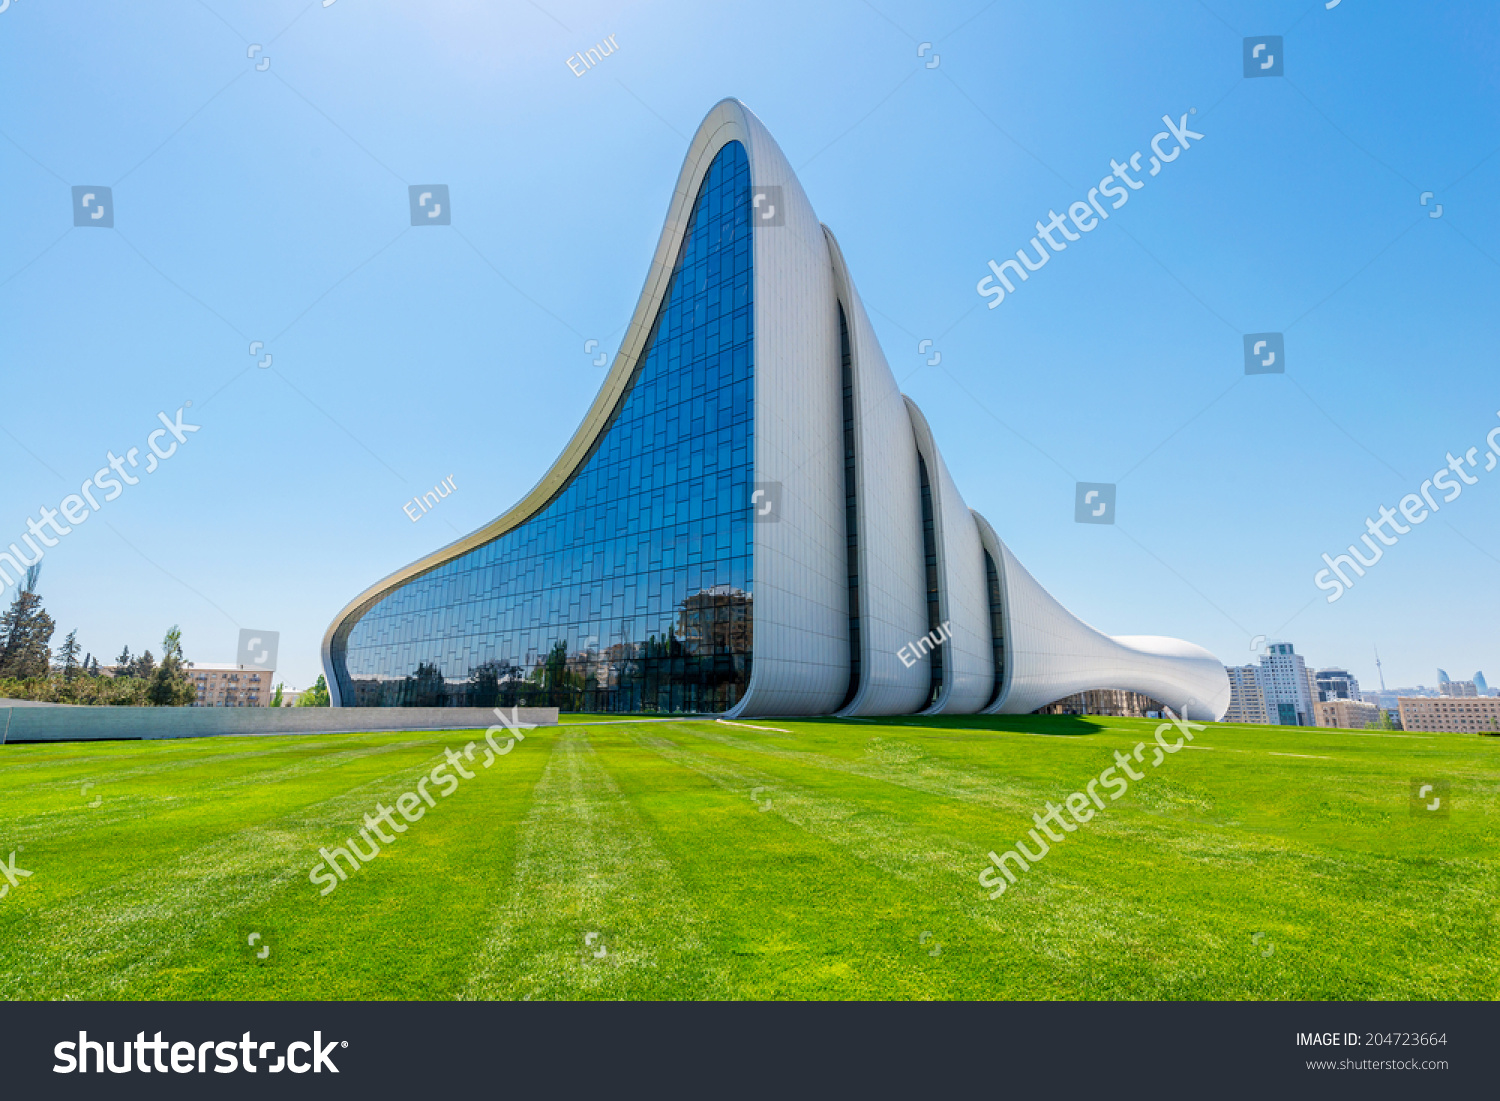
(631, 589)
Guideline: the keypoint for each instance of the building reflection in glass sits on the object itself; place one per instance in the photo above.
(632, 589)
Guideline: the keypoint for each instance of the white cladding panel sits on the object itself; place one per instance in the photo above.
(963, 590)
(1051, 653)
(892, 590)
(800, 587)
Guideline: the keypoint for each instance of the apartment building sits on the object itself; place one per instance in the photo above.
(1247, 704)
(1451, 714)
(231, 685)
(1347, 714)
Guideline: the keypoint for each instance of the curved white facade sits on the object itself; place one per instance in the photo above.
(803, 663)
(968, 662)
(893, 592)
(1051, 653)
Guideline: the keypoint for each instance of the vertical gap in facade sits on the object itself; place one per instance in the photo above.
(997, 626)
(851, 509)
(934, 609)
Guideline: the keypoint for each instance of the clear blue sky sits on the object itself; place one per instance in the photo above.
(271, 205)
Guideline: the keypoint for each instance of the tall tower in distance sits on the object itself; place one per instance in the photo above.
(1287, 686)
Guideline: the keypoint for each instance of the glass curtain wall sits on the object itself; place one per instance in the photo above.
(631, 590)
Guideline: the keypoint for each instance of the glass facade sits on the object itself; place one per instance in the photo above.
(631, 589)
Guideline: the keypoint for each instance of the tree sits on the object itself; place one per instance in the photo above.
(425, 688)
(488, 680)
(143, 666)
(276, 694)
(67, 655)
(25, 633)
(170, 684)
(317, 695)
(562, 687)
(124, 664)
(555, 670)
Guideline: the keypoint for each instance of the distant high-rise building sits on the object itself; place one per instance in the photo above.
(1246, 702)
(1479, 683)
(1459, 688)
(1287, 686)
(1336, 684)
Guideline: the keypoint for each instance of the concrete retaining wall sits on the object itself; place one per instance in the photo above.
(70, 724)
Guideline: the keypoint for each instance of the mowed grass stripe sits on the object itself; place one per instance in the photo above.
(587, 864)
(1015, 791)
(407, 924)
(1149, 900)
(794, 914)
(909, 764)
(934, 866)
(75, 763)
(189, 765)
(1365, 788)
(177, 809)
(146, 903)
(892, 761)
(1054, 935)
(1159, 897)
(892, 844)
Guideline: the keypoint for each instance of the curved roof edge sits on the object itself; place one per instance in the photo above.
(1052, 654)
(728, 121)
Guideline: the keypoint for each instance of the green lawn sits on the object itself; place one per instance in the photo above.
(818, 860)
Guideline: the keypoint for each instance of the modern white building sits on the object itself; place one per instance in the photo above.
(751, 520)
(1287, 686)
